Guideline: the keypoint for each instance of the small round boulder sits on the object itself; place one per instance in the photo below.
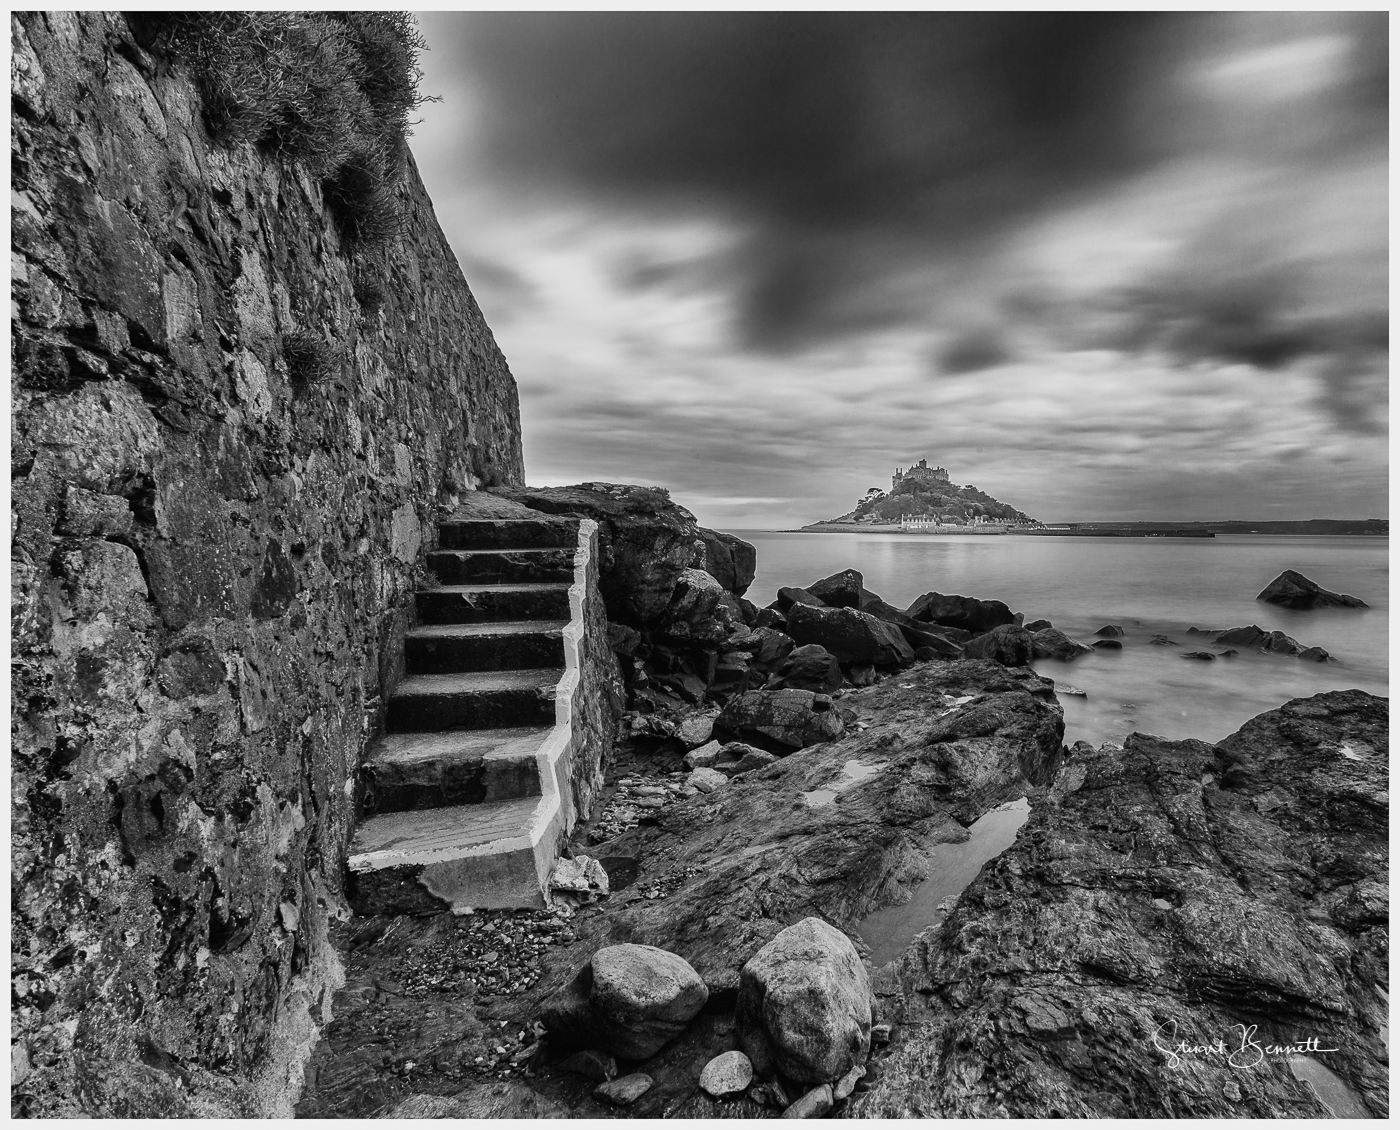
(643, 997)
(727, 1074)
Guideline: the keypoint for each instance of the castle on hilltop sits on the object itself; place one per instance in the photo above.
(920, 472)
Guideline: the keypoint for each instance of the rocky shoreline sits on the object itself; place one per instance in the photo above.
(782, 773)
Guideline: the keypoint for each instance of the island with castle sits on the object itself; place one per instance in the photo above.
(924, 500)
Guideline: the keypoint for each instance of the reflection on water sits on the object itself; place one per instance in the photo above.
(1328, 1086)
(852, 772)
(1151, 586)
(952, 867)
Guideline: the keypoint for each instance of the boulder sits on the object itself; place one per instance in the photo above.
(729, 559)
(1314, 655)
(1051, 643)
(965, 612)
(622, 639)
(736, 758)
(1198, 655)
(1008, 645)
(695, 730)
(816, 1103)
(917, 634)
(850, 635)
(769, 617)
(810, 668)
(1107, 645)
(699, 610)
(791, 595)
(727, 1074)
(840, 590)
(804, 1005)
(767, 646)
(863, 674)
(707, 780)
(1251, 635)
(624, 1091)
(1163, 641)
(1109, 631)
(703, 757)
(1291, 589)
(783, 720)
(629, 1000)
(1038, 626)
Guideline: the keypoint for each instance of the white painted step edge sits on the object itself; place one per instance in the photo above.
(553, 815)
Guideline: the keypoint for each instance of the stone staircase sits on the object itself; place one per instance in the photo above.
(467, 797)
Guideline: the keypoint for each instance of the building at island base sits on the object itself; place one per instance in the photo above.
(979, 524)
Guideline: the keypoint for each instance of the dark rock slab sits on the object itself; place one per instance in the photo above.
(1161, 893)
(840, 590)
(1291, 589)
(1007, 644)
(850, 635)
(781, 721)
(965, 612)
(1051, 643)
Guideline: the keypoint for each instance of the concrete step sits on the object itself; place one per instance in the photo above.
(475, 700)
(478, 604)
(506, 533)
(477, 855)
(501, 566)
(406, 772)
(502, 645)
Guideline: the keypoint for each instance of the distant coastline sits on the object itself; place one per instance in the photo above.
(1335, 527)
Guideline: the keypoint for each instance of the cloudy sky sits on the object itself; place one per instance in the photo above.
(1102, 266)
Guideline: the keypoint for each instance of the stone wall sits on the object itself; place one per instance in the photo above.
(211, 553)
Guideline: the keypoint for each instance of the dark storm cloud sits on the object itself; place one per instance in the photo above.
(821, 129)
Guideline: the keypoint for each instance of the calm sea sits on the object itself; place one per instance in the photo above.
(1149, 586)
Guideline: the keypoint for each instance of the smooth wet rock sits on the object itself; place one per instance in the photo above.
(1314, 654)
(804, 1004)
(629, 1000)
(783, 720)
(1038, 626)
(1007, 644)
(814, 1104)
(965, 612)
(1207, 655)
(727, 1074)
(1108, 645)
(1291, 589)
(1051, 643)
(1110, 631)
(624, 1091)
(850, 635)
(1163, 641)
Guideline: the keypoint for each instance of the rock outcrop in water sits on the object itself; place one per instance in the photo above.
(1293, 590)
(1169, 892)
